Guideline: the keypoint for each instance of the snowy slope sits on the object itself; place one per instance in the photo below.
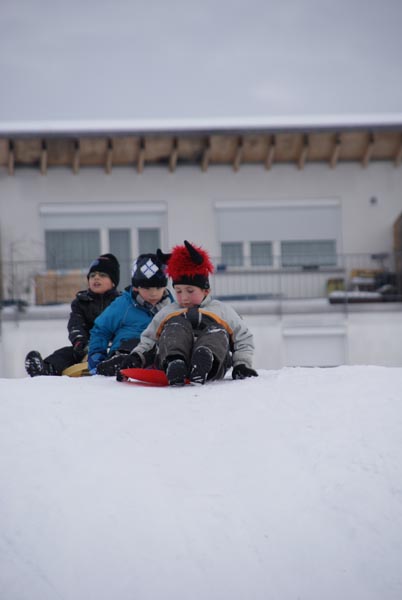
(283, 487)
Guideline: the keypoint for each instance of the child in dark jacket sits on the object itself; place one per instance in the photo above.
(103, 279)
(196, 337)
(118, 329)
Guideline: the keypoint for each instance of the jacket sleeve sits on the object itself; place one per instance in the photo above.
(78, 326)
(243, 344)
(149, 335)
(104, 330)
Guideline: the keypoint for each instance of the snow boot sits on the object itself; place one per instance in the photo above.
(176, 372)
(35, 365)
(202, 362)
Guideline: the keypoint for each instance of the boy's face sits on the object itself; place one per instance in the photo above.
(99, 283)
(189, 295)
(152, 295)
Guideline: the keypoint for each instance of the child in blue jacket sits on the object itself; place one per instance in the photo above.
(118, 329)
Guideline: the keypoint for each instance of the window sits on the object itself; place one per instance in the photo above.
(120, 246)
(308, 232)
(261, 254)
(308, 253)
(148, 240)
(232, 254)
(76, 233)
(67, 249)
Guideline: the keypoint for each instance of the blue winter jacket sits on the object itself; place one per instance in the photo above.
(123, 320)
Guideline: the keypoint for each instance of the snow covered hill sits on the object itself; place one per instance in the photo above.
(283, 487)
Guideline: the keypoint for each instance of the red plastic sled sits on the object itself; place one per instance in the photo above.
(151, 376)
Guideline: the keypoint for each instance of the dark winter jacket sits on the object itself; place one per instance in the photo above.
(124, 320)
(85, 308)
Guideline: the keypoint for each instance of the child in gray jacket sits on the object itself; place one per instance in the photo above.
(196, 337)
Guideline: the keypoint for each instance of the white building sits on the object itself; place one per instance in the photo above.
(285, 211)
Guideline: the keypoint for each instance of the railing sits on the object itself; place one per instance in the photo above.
(30, 282)
(352, 272)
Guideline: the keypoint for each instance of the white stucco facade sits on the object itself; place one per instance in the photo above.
(370, 337)
(185, 205)
(370, 200)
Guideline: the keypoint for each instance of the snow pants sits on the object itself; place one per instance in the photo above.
(184, 333)
(61, 359)
(64, 357)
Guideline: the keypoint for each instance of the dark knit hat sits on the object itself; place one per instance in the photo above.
(190, 265)
(106, 263)
(149, 271)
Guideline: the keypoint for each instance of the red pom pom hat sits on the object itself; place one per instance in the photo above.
(190, 265)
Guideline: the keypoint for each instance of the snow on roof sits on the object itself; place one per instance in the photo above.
(125, 126)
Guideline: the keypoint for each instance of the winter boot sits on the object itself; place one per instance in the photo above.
(176, 372)
(35, 365)
(201, 365)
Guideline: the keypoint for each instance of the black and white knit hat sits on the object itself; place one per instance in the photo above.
(149, 271)
(106, 263)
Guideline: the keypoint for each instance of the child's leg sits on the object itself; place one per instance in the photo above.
(54, 364)
(60, 360)
(176, 341)
(126, 346)
(212, 340)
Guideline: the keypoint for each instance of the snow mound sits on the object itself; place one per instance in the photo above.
(284, 486)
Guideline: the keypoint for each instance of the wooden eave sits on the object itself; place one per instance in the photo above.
(208, 150)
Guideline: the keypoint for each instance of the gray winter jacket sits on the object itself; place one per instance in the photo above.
(240, 336)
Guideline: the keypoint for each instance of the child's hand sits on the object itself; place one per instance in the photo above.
(111, 366)
(93, 361)
(80, 349)
(241, 372)
(130, 361)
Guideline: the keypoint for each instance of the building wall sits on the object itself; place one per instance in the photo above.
(370, 199)
(369, 338)
(190, 197)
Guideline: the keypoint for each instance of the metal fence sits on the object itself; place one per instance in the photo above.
(30, 282)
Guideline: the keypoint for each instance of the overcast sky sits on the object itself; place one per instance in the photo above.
(170, 59)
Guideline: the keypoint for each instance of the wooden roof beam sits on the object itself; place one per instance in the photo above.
(109, 157)
(304, 152)
(335, 152)
(368, 151)
(239, 154)
(398, 155)
(76, 157)
(174, 155)
(270, 153)
(206, 155)
(11, 157)
(141, 156)
(43, 157)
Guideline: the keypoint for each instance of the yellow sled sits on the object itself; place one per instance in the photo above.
(78, 370)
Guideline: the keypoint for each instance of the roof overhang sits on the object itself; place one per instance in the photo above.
(203, 142)
(211, 126)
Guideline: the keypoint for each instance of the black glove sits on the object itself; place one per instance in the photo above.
(241, 372)
(110, 366)
(130, 361)
(80, 350)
